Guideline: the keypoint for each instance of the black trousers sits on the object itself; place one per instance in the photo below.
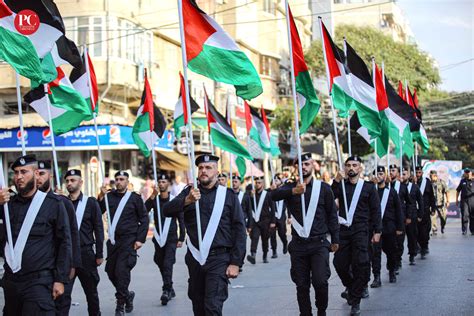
(281, 230)
(400, 245)
(412, 236)
(89, 278)
(467, 214)
(121, 258)
(310, 266)
(63, 303)
(165, 258)
(208, 284)
(28, 297)
(424, 228)
(389, 247)
(260, 229)
(352, 260)
(375, 255)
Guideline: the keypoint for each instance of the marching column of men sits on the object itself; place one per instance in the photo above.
(280, 221)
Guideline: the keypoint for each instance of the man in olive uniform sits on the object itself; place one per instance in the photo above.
(280, 221)
(222, 250)
(356, 219)
(127, 234)
(309, 248)
(91, 235)
(262, 221)
(465, 189)
(429, 206)
(440, 190)
(165, 239)
(37, 270)
(63, 303)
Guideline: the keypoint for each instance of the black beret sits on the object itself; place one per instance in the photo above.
(380, 169)
(394, 167)
(163, 176)
(304, 157)
(433, 172)
(206, 158)
(44, 164)
(258, 178)
(354, 158)
(222, 175)
(121, 173)
(73, 172)
(419, 168)
(236, 177)
(467, 170)
(24, 161)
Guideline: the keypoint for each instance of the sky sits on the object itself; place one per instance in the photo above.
(445, 30)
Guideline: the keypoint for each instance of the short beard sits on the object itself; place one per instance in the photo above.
(27, 189)
(45, 186)
(381, 181)
(305, 176)
(164, 190)
(352, 174)
(73, 190)
(205, 183)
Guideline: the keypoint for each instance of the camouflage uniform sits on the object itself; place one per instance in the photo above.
(440, 189)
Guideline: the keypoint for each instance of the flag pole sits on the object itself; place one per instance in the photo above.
(20, 113)
(407, 95)
(157, 199)
(188, 109)
(251, 175)
(206, 110)
(3, 185)
(388, 117)
(295, 109)
(401, 155)
(99, 151)
(51, 130)
(349, 143)
(338, 149)
(230, 154)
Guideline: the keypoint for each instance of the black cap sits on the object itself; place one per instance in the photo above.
(44, 164)
(258, 178)
(394, 167)
(73, 172)
(163, 176)
(304, 157)
(419, 168)
(206, 158)
(24, 161)
(236, 177)
(433, 172)
(354, 158)
(380, 169)
(467, 170)
(121, 173)
(222, 175)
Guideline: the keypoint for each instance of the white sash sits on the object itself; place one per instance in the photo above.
(201, 254)
(410, 185)
(81, 207)
(304, 232)
(117, 215)
(397, 186)
(354, 202)
(423, 185)
(241, 196)
(279, 209)
(14, 259)
(383, 203)
(166, 227)
(257, 213)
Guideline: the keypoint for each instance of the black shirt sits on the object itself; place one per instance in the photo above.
(75, 242)
(267, 214)
(231, 229)
(429, 200)
(134, 218)
(246, 205)
(367, 209)
(407, 203)
(325, 219)
(466, 188)
(92, 227)
(173, 230)
(392, 219)
(417, 198)
(49, 243)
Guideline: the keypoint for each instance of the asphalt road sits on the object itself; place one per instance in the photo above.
(443, 284)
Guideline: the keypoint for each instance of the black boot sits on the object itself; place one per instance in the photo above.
(120, 309)
(274, 255)
(412, 260)
(165, 297)
(251, 258)
(355, 310)
(265, 260)
(172, 293)
(285, 249)
(392, 276)
(376, 283)
(365, 294)
(321, 312)
(129, 302)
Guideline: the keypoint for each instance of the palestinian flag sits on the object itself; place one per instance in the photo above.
(222, 134)
(256, 129)
(180, 113)
(420, 135)
(379, 144)
(83, 78)
(307, 99)
(25, 48)
(339, 88)
(274, 149)
(212, 53)
(241, 165)
(68, 107)
(401, 91)
(150, 124)
(363, 92)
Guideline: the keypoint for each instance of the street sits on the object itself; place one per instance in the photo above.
(440, 285)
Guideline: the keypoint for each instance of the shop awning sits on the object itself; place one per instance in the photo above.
(171, 161)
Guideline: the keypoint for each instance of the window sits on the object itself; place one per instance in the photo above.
(269, 66)
(269, 6)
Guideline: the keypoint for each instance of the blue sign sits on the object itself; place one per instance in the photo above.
(82, 138)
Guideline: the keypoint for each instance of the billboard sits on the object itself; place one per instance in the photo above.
(448, 170)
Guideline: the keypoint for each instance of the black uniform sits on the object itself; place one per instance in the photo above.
(246, 205)
(408, 211)
(165, 257)
(207, 285)
(91, 235)
(466, 187)
(63, 303)
(262, 227)
(429, 207)
(352, 259)
(310, 256)
(47, 257)
(280, 228)
(131, 227)
(412, 228)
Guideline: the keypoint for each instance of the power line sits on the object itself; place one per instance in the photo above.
(454, 65)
